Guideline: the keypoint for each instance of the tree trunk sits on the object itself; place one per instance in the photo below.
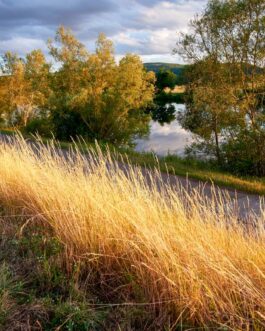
(217, 147)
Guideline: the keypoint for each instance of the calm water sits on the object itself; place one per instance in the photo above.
(165, 138)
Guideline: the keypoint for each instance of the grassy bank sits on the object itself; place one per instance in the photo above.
(199, 170)
(175, 165)
(37, 291)
(169, 261)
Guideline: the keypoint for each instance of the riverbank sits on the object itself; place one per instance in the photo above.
(189, 168)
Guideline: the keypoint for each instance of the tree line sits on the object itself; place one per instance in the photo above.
(87, 94)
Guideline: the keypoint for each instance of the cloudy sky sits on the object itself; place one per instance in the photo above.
(146, 27)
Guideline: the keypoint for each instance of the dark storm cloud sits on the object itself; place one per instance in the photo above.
(38, 18)
(51, 12)
(143, 26)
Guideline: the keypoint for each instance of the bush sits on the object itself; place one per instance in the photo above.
(41, 126)
(68, 124)
(245, 155)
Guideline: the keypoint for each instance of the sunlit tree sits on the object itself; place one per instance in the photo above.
(227, 49)
(25, 87)
(109, 98)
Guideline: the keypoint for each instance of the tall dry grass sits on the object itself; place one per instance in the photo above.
(184, 258)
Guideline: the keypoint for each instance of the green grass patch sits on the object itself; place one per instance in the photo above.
(8, 131)
(199, 170)
(39, 291)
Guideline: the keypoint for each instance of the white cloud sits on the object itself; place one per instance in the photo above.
(154, 30)
(126, 39)
(162, 41)
(170, 138)
(174, 16)
(22, 45)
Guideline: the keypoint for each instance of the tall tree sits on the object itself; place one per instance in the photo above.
(227, 49)
(165, 78)
(25, 83)
(108, 97)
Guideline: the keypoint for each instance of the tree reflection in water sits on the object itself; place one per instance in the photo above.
(163, 113)
(166, 134)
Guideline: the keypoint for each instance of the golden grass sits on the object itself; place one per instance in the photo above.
(184, 257)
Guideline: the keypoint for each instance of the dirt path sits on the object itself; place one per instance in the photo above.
(246, 204)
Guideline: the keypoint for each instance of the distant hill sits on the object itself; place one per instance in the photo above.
(156, 66)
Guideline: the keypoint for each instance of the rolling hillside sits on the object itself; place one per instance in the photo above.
(176, 68)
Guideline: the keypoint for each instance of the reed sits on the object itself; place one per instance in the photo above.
(185, 258)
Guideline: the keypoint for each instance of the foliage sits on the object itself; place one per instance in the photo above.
(108, 98)
(178, 69)
(165, 78)
(39, 126)
(26, 87)
(226, 81)
(67, 123)
(245, 153)
(88, 94)
(157, 66)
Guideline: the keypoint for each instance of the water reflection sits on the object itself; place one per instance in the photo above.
(166, 134)
(164, 113)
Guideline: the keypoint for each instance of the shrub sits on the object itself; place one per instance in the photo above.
(41, 126)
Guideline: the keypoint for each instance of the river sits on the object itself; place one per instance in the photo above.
(165, 138)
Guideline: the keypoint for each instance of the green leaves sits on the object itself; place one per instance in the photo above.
(108, 97)
(227, 86)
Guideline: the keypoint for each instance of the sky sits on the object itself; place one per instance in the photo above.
(145, 27)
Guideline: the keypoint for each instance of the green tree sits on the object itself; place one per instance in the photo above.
(165, 78)
(226, 48)
(108, 98)
(210, 104)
